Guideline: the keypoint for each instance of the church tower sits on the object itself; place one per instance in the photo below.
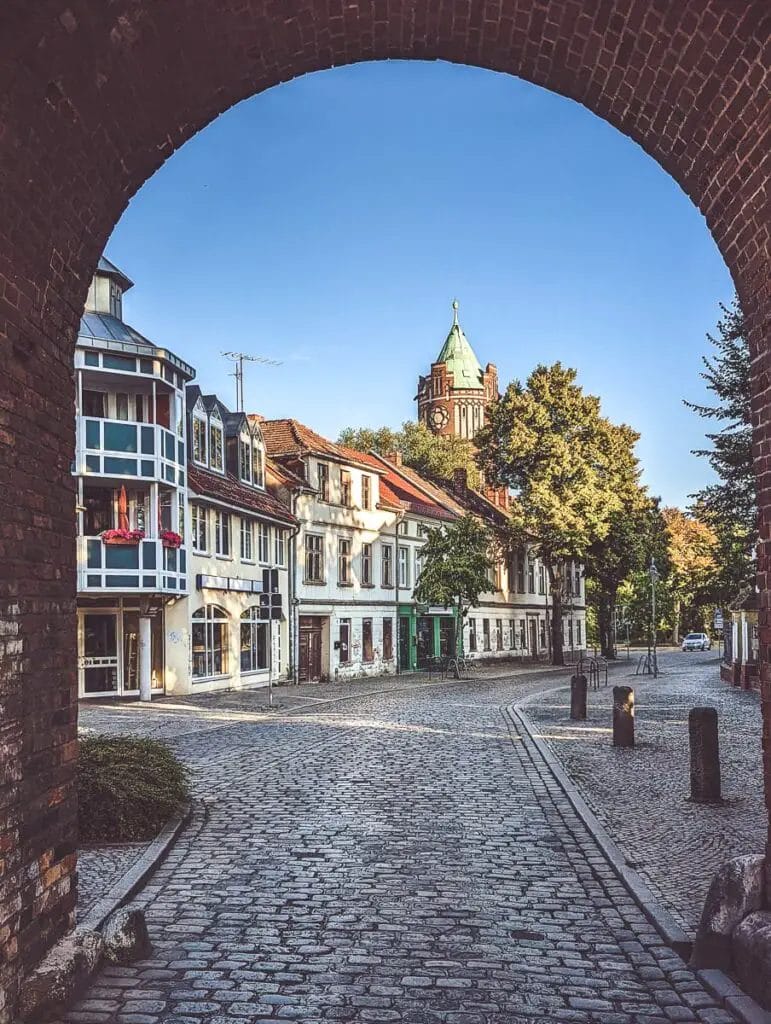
(452, 399)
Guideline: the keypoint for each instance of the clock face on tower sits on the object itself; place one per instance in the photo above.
(439, 417)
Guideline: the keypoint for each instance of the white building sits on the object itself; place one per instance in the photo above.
(130, 469)
(233, 630)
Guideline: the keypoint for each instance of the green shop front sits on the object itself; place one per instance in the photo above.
(424, 633)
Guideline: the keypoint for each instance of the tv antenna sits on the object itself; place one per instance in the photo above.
(238, 359)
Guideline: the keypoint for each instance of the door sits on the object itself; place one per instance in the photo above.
(309, 667)
(98, 661)
(534, 637)
(447, 638)
(404, 643)
(425, 640)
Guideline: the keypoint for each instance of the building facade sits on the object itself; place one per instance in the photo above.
(131, 476)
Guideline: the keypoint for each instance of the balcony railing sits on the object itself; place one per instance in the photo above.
(146, 567)
(117, 448)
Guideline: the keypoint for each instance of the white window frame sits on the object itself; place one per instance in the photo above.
(255, 627)
(199, 517)
(245, 461)
(366, 561)
(209, 616)
(316, 553)
(404, 567)
(247, 540)
(216, 450)
(258, 460)
(222, 545)
(263, 543)
(279, 545)
(200, 424)
(344, 561)
(386, 565)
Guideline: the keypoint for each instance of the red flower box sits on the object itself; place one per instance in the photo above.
(170, 539)
(123, 536)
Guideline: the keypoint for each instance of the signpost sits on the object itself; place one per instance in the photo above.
(717, 622)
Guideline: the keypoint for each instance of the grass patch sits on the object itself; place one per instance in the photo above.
(127, 788)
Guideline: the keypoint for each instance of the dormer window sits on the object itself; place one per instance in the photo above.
(216, 443)
(258, 459)
(200, 435)
(245, 460)
(116, 300)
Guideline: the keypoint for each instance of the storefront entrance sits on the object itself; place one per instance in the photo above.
(425, 635)
(405, 643)
(108, 652)
(309, 661)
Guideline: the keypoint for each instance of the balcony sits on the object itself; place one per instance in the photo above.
(117, 448)
(146, 567)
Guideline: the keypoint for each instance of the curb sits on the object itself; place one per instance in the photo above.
(128, 885)
(723, 988)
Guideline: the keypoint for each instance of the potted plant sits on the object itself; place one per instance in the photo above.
(123, 536)
(170, 539)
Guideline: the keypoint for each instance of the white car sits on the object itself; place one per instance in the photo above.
(697, 642)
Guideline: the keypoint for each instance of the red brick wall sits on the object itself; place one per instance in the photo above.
(94, 96)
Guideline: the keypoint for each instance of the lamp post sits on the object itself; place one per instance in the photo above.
(653, 573)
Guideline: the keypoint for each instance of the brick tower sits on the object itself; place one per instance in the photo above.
(453, 397)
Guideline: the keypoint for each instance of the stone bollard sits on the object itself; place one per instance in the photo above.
(623, 716)
(578, 697)
(705, 755)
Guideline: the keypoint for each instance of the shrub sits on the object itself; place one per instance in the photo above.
(127, 788)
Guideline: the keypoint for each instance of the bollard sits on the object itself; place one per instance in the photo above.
(623, 716)
(578, 697)
(705, 755)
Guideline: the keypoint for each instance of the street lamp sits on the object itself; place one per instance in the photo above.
(653, 573)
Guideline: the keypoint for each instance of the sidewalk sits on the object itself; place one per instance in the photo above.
(641, 795)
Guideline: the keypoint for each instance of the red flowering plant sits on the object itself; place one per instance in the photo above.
(170, 539)
(122, 536)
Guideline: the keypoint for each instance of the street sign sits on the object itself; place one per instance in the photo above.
(718, 619)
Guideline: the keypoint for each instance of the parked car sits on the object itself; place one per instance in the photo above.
(697, 642)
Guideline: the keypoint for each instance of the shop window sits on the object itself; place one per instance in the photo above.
(255, 637)
(210, 642)
(366, 640)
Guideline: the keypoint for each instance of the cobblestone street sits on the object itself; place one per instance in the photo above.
(395, 857)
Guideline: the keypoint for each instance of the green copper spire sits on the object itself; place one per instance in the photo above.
(459, 356)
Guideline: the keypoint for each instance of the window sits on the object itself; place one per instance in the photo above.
(531, 576)
(521, 572)
(486, 633)
(499, 634)
(344, 561)
(280, 546)
(116, 303)
(247, 539)
(322, 475)
(542, 630)
(245, 463)
(472, 635)
(199, 517)
(199, 438)
(404, 528)
(366, 640)
(210, 642)
(345, 641)
(570, 632)
(388, 639)
(255, 638)
(577, 588)
(404, 567)
(121, 406)
(366, 565)
(93, 403)
(222, 533)
(522, 635)
(164, 511)
(216, 443)
(263, 540)
(578, 632)
(346, 493)
(366, 492)
(541, 578)
(418, 564)
(314, 558)
(258, 463)
(180, 515)
(387, 565)
(512, 634)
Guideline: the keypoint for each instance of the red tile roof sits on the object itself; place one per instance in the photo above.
(231, 491)
(289, 437)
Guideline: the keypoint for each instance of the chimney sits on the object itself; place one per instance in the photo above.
(460, 481)
(394, 457)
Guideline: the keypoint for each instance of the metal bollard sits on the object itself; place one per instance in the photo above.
(578, 690)
(705, 755)
(623, 716)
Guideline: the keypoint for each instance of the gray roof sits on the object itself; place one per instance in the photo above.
(105, 267)
(104, 327)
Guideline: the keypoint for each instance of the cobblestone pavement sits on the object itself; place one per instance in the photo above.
(641, 795)
(395, 858)
(99, 867)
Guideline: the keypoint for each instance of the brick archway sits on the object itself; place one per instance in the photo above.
(94, 96)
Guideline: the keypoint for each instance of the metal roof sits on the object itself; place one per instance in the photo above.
(104, 266)
(105, 327)
(459, 358)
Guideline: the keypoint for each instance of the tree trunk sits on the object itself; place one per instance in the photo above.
(555, 585)
(605, 612)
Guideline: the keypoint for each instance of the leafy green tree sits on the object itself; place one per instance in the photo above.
(421, 449)
(548, 442)
(455, 562)
(730, 506)
(692, 548)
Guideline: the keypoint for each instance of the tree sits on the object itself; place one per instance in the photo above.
(730, 506)
(455, 563)
(547, 441)
(692, 546)
(433, 454)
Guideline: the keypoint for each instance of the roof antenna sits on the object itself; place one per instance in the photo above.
(239, 358)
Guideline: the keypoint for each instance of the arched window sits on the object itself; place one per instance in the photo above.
(245, 467)
(210, 642)
(258, 458)
(216, 442)
(200, 435)
(255, 637)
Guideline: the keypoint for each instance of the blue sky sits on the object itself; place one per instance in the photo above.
(330, 222)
